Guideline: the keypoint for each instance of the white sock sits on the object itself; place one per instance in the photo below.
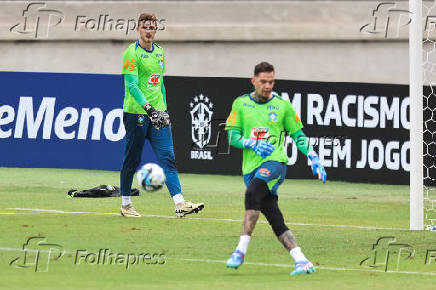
(243, 243)
(125, 200)
(178, 198)
(297, 255)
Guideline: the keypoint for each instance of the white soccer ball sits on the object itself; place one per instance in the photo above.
(151, 177)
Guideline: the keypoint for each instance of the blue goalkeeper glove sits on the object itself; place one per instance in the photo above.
(317, 168)
(260, 147)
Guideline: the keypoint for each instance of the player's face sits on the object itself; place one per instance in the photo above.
(263, 84)
(147, 30)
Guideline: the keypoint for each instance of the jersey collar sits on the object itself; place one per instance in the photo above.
(152, 46)
(272, 97)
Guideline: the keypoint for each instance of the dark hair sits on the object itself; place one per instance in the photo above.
(263, 67)
(147, 17)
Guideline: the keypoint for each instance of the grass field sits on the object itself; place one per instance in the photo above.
(336, 225)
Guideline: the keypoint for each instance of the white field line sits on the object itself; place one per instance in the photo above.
(252, 263)
(55, 211)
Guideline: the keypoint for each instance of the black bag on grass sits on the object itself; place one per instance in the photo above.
(100, 191)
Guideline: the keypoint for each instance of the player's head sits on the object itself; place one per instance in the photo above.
(263, 80)
(147, 26)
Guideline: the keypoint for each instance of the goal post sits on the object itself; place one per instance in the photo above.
(416, 116)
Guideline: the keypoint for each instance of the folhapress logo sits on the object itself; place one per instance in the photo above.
(37, 20)
(68, 123)
(37, 254)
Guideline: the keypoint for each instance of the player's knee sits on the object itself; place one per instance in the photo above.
(166, 159)
(254, 194)
(275, 219)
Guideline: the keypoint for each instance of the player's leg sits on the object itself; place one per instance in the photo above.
(256, 191)
(270, 209)
(135, 137)
(162, 143)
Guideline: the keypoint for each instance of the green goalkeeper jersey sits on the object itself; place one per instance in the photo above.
(270, 120)
(149, 66)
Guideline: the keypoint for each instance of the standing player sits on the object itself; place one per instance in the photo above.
(145, 116)
(257, 124)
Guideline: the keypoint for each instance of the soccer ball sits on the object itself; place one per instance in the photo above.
(151, 177)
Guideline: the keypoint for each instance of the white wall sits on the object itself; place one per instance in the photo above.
(305, 40)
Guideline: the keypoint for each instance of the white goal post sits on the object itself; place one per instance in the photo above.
(416, 116)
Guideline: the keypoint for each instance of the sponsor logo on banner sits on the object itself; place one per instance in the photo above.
(29, 121)
(201, 110)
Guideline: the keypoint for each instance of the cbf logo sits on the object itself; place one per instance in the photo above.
(272, 117)
(201, 109)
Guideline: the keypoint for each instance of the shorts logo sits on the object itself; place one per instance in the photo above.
(259, 133)
(272, 117)
(264, 172)
(140, 120)
(154, 79)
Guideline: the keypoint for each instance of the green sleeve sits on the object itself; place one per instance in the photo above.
(129, 62)
(132, 83)
(292, 121)
(162, 88)
(234, 120)
(302, 142)
(235, 138)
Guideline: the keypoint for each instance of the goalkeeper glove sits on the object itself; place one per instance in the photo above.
(159, 119)
(260, 147)
(317, 168)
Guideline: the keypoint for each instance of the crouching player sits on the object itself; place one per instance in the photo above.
(256, 125)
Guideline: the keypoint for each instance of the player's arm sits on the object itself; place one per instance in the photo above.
(162, 89)
(132, 82)
(294, 126)
(236, 139)
(302, 142)
(260, 147)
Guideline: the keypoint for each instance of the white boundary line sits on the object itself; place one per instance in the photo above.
(256, 264)
(55, 211)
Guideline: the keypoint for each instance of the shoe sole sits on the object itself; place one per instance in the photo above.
(195, 210)
(233, 267)
(123, 215)
(310, 271)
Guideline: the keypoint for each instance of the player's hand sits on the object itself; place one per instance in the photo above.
(317, 168)
(165, 120)
(159, 119)
(260, 147)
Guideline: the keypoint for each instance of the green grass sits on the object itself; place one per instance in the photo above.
(195, 249)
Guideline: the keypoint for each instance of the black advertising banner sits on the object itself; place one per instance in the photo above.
(360, 131)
